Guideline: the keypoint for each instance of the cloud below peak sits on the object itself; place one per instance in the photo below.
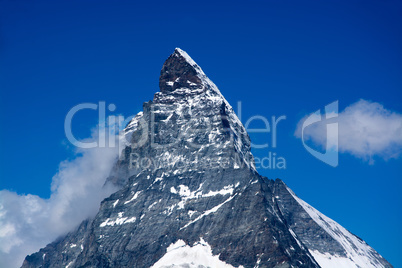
(29, 222)
(365, 129)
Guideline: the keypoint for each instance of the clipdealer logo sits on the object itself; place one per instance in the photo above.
(330, 156)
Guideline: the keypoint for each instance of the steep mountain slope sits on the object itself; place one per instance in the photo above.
(191, 197)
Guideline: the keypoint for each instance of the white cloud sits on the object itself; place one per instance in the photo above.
(366, 129)
(28, 222)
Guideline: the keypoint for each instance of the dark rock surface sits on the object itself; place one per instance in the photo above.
(187, 174)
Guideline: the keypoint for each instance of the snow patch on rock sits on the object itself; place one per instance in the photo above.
(358, 253)
(197, 256)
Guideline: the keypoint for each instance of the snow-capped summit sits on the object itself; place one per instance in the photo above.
(189, 111)
(191, 197)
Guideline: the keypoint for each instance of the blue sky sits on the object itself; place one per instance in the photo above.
(276, 57)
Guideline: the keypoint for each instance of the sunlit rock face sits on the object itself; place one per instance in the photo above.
(190, 196)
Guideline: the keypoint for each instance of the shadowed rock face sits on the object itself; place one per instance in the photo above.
(201, 185)
(176, 73)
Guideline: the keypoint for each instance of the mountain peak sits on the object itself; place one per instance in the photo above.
(187, 93)
(191, 197)
(180, 71)
(178, 52)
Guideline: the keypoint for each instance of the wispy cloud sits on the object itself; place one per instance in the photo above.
(366, 129)
(28, 222)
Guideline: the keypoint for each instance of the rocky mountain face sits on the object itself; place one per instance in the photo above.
(191, 197)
